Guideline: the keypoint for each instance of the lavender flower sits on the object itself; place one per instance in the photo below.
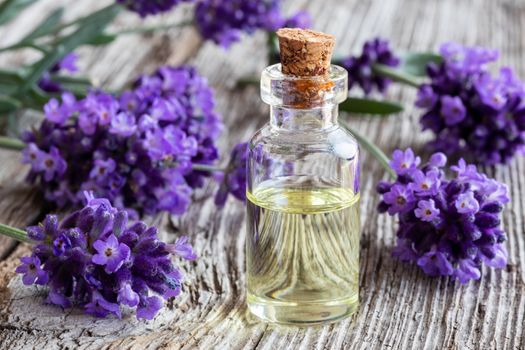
(223, 21)
(149, 7)
(234, 179)
(136, 149)
(110, 253)
(48, 82)
(471, 112)
(360, 68)
(32, 271)
(446, 227)
(96, 260)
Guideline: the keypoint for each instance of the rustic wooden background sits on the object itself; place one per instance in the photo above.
(400, 307)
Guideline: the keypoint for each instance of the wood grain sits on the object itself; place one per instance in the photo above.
(400, 307)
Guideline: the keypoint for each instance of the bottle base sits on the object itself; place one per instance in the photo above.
(302, 313)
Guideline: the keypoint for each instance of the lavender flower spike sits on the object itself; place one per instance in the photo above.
(148, 7)
(360, 68)
(447, 227)
(126, 265)
(136, 150)
(223, 21)
(471, 112)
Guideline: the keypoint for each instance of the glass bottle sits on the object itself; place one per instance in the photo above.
(302, 247)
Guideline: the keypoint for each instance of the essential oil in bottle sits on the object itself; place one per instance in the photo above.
(302, 248)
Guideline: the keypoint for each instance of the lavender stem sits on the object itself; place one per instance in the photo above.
(11, 143)
(19, 235)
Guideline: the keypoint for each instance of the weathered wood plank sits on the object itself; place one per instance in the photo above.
(19, 202)
(400, 307)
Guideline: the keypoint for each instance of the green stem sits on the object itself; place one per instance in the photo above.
(396, 75)
(273, 48)
(247, 81)
(19, 235)
(151, 29)
(82, 19)
(208, 168)
(11, 143)
(370, 147)
(22, 45)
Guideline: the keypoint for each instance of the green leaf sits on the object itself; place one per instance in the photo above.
(247, 81)
(10, 81)
(10, 77)
(8, 104)
(66, 79)
(77, 85)
(9, 9)
(395, 74)
(415, 63)
(370, 106)
(47, 26)
(91, 27)
(102, 39)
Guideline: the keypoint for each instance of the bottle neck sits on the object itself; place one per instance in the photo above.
(304, 119)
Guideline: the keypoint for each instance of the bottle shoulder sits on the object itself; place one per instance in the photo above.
(335, 139)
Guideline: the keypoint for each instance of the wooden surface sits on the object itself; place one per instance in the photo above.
(400, 307)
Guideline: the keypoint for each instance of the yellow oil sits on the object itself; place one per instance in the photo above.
(303, 254)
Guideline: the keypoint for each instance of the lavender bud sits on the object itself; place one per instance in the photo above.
(36, 233)
(493, 207)
(485, 220)
(120, 222)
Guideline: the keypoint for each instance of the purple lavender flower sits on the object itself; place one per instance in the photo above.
(95, 259)
(32, 271)
(32, 155)
(301, 19)
(426, 97)
(452, 110)
(68, 63)
(52, 164)
(466, 203)
(446, 227)
(136, 150)
(360, 68)
(471, 112)
(400, 199)
(435, 263)
(223, 21)
(111, 254)
(426, 183)
(149, 307)
(149, 7)
(404, 162)
(182, 248)
(234, 179)
(123, 124)
(426, 210)
(100, 307)
(48, 81)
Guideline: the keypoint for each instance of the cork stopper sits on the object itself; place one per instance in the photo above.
(304, 52)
